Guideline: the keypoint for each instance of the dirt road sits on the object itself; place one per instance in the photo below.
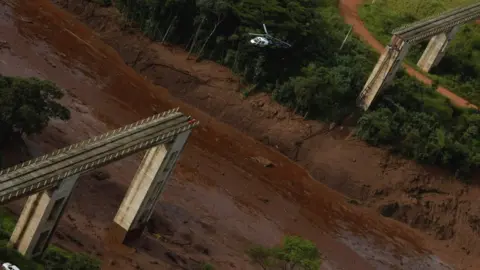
(220, 200)
(348, 9)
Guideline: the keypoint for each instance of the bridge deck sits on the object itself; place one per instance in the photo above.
(430, 27)
(48, 170)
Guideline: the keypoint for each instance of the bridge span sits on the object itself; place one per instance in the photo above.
(50, 179)
(439, 29)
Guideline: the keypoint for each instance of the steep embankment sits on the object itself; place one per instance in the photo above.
(348, 9)
(220, 200)
(422, 197)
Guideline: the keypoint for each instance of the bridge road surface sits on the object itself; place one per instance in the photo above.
(49, 170)
(430, 27)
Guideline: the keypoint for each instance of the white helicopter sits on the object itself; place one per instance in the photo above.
(263, 40)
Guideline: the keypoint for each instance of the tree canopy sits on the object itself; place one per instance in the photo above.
(27, 105)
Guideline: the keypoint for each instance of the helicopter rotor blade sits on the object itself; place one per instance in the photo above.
(281, 42)
(253, 34)
(265, 28)
(286, 44)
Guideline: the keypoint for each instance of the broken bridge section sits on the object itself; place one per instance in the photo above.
(50, 179)
(436, 48)
(384, 71)
(439, 29)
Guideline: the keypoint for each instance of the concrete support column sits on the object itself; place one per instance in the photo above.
(145, 189)
(436, 49)
(384, 71)
(40, 217)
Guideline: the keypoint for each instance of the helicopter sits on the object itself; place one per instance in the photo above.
(263, 40)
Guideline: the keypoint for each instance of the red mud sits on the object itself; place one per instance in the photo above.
(221, 200)
(348, 9)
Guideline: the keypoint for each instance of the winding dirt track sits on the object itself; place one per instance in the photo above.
(349, 11)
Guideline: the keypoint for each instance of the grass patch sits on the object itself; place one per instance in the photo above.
(54, 257)
(8, 254)
(7, 223)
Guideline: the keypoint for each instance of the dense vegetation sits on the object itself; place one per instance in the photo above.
(218, 30)
(414, 121)
(460, 67)
(53, 259)
(315, 77)
(294, 253)
(26, 106)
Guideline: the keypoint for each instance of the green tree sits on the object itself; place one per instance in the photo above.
(27, 105)
(294, 253)
(219, 9)
(376, 127)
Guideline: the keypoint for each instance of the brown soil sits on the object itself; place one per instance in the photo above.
(221, 198)
(348, 9)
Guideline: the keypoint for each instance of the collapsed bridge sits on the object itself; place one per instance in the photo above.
(439, 29)
(50, 179)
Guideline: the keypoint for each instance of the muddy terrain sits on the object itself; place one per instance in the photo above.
(221, 200)
(428, 199)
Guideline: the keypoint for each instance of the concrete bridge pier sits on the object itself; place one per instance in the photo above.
(436, 49)
(145, 189)
(384, 71)
(40, 217)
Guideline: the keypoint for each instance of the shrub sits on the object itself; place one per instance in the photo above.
(294, 253)
(58, 259)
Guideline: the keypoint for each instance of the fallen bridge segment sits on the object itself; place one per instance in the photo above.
(47, 171)
(440, 30)
(51, 179)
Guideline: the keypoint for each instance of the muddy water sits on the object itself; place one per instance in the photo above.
(216, 183)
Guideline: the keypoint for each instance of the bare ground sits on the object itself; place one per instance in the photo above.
(221, 200)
